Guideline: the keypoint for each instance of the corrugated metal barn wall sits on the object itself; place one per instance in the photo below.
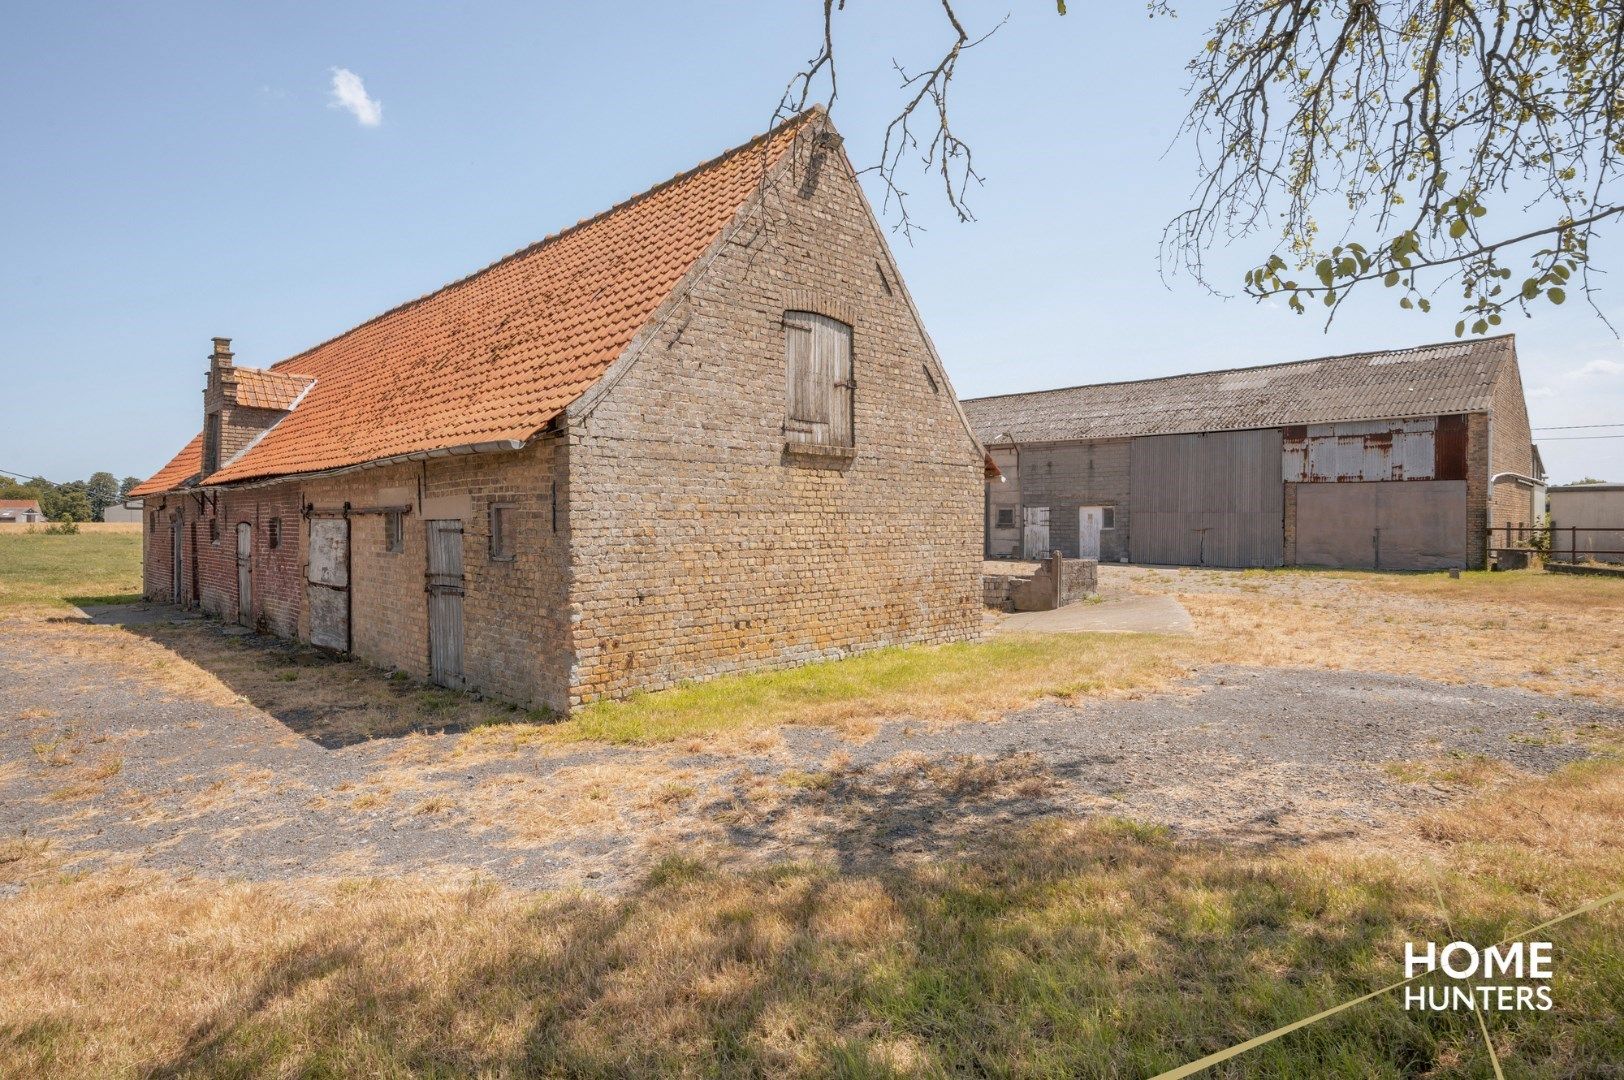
(1212, 499)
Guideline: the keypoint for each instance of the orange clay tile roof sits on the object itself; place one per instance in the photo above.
(498, 354)
(257, 389)
(181, 468)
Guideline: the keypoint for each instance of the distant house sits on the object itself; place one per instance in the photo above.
(704, 431)
(20, 512)
(1394, 460)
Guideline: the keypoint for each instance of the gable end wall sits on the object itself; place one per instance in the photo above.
(699, 546)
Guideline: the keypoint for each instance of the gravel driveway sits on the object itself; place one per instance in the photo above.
(112, 770)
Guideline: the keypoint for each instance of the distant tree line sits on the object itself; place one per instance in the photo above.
(77, 500)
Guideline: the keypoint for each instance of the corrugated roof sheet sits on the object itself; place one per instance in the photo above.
(1428, 380)
(498, 354)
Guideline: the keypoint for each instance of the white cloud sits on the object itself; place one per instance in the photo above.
(1598, 367)
(1542, 392)
(350, 93)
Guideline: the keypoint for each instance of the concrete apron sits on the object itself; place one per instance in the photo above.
(1131, 613)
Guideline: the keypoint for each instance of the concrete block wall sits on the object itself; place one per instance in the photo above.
(1066, 476)
(699, 546)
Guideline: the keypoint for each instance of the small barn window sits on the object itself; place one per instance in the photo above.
(152, 522)
(214, 530)
(273, 532)
(394, 532)
(502, 546)
(1006, 517)
(1107, 517)
(817, 354)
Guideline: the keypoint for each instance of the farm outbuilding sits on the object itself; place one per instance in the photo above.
(1391, 460)
(671, 441)
(1587, 523)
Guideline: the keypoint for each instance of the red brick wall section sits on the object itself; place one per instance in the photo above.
(276, 573)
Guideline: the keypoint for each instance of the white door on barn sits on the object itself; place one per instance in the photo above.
(327, 593)
(245, 573)
(1090, 519)
(1035, 538)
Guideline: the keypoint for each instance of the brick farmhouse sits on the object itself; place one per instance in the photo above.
(1397, 460)
(702, 432)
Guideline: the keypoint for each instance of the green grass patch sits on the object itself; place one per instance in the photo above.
(962, 681)
(83, 568)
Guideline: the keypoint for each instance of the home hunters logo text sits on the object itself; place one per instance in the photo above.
(1513, 977)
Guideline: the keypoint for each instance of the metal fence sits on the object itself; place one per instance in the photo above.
(1561, 543)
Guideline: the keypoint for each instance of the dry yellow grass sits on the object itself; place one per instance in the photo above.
(1542, 632)
(87, 527)
(1082, 950)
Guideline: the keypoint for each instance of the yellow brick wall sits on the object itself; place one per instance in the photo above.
(698, 545)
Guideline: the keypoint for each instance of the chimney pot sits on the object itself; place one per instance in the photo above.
(221, 357)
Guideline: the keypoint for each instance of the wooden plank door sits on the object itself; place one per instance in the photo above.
(245, 573)
(1035, 537)
(174, 561)
(327, 588)
(445, 591)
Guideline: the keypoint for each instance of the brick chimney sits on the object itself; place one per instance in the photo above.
(219, 396)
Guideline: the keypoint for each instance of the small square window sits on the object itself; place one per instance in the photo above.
(394, 532)
(1006, 517)
(1108, 517)
(274, 533)
(502, 546)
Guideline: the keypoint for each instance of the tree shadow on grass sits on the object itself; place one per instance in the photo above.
(1095, 950)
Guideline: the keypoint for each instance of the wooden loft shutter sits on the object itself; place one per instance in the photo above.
(818, 359)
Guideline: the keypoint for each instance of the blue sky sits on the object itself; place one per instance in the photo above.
(176, 171)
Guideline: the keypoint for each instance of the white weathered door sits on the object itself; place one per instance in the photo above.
(245, 573)
(445, 588)
(1089, 521)
(327, 589)
(1035, 537)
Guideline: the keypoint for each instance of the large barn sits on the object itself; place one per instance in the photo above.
(1389, 460)
(674, 440)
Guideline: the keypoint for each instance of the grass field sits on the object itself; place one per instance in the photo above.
(1100, 950)
(96, 565)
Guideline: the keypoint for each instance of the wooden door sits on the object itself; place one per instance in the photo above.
(174, 562)
(1035, 537)
(445, 590)
(245, 573)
